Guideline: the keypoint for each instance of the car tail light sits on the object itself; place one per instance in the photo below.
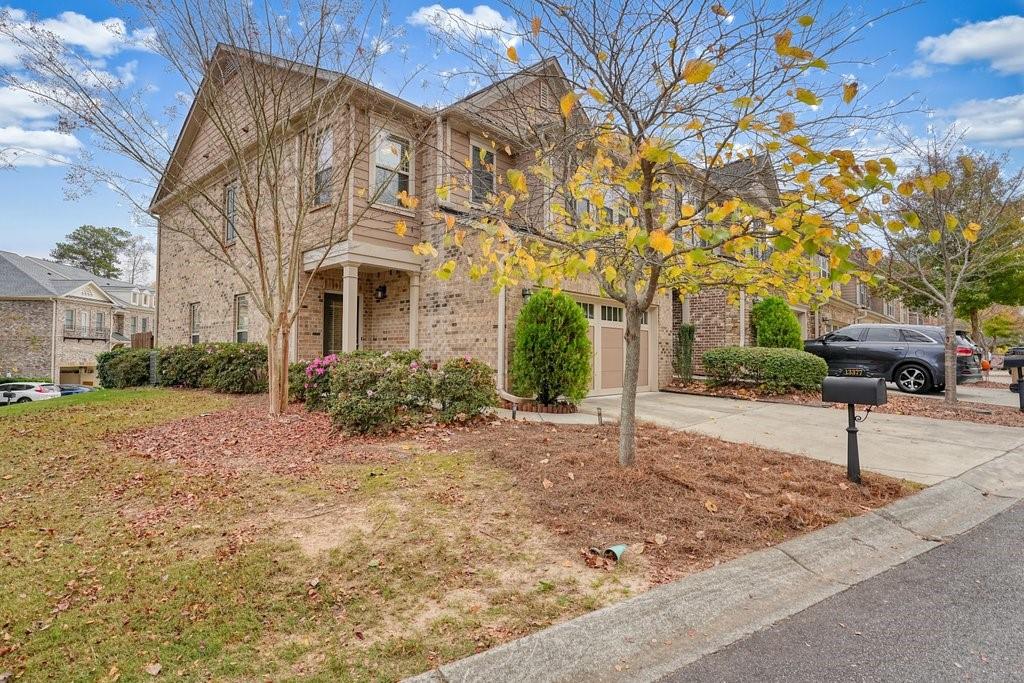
(964, 351)
(40, 390)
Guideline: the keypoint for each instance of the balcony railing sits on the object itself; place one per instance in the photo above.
(86, 332)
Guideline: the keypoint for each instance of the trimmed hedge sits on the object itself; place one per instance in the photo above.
(682, 358)
(775, 370)
(775, 324)
(122, 368)
(297, 381)
(551, 357)
(227, 367)
(465, 388)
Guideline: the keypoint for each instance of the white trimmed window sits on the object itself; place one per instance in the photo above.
(323, 150)
(393, 163)
(69, 319)
(135, 324)
(588, 309)
(193, 322)
(824, 266)
(862, 294)
(241, 317)
(612, 314)
(230, 212)
(145, 324)
(98, 320)
(135, 298)
(482, 173)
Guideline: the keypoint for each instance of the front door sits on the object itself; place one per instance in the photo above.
(332, 323)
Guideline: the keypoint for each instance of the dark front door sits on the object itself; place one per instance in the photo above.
(333, 316)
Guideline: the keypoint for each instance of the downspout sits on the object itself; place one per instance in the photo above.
(501, 341)
(54, 370)
(743, 318)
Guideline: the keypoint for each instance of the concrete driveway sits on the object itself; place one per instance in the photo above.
(973, 394)
(915, 448)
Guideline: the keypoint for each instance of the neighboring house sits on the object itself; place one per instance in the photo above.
(372, 291)
(55, 318)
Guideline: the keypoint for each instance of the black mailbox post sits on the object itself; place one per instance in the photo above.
(853, 391)
(1014, 362)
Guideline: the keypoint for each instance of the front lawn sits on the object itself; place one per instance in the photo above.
(184, 535)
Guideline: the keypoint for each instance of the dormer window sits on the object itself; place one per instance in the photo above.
(135, 298)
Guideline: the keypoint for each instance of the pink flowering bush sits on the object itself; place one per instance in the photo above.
(316, 384)
(377, 393)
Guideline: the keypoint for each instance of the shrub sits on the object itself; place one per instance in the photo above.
(227, 367)
(297, 381)
(185, 365)
(235, 368)
(551, 357)
(379, 392)
(775, 370)
(121, 368)
(317, 382)
(775, 324)
(682, 360)
(465, 388)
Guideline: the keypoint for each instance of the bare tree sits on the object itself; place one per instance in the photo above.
(136, 259)
(640, 149)
(254, 183)
(954, 216)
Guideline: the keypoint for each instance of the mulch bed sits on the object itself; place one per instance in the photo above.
(689, 502)
(898, 404)
(988, 384)
(534, 407)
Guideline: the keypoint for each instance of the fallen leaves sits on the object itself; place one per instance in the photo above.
(153, 669)
(711, 506)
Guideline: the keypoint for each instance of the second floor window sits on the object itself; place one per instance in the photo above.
(230, 215)
(862, 294)
(392, 169)
(483, 173)
(69, 319)
(242, 318)
(323, 149)
(135, 324)
(145, 324)
(98, 321)
(193, 323)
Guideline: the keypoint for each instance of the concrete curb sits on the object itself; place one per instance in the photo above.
(658, 632)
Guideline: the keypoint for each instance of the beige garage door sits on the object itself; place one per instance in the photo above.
(607, 339)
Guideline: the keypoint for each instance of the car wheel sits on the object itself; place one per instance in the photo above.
(913, 379)
(23, 399)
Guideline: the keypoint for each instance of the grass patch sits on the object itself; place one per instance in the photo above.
(340, 568)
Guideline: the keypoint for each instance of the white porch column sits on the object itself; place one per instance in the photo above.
(350, 308)
(414, 309)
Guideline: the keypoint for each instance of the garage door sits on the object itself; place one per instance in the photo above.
(608, 344)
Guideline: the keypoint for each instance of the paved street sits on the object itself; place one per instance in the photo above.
(953, 613)
(916, 448)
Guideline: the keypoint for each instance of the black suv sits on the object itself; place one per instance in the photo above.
(909, 355)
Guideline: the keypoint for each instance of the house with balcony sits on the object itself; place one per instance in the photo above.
(55, 318)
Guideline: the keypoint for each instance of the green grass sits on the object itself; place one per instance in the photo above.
(425, 561)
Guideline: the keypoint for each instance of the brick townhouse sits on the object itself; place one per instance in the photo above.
(371, 291)
(55, 318)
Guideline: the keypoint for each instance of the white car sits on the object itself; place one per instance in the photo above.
(23, 392)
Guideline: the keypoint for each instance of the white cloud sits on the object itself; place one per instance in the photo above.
(21, 147)
(17, 106)
(998, 122)
(98, 38)
(997, 41)
(483, 22)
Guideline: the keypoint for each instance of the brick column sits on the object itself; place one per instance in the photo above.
(350, 308)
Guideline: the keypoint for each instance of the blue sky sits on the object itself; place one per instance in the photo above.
(963, 60)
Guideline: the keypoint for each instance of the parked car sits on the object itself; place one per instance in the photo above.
(69, 389)
(912, 356)
(23, 392)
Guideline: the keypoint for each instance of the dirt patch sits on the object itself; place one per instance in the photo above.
(690, 501)
(898, 403)
(989, 384)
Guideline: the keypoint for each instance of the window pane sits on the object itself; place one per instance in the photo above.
(393, 153)
(915, 336)
(483, 173)
(230, 214)
(69, 318)
(883, 334)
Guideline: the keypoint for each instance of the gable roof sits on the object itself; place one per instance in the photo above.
(37, 278)
(469, 105)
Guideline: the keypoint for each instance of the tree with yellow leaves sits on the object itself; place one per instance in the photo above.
(955, 216)
(649, 120)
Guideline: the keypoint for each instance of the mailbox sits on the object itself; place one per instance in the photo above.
(1014, 363)
(863, 391)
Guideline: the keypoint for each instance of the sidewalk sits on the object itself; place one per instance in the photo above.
(655, 634)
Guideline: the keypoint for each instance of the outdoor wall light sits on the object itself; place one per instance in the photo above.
(381, 293)
(526, 293)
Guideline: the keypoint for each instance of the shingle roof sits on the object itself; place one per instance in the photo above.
(29, 276)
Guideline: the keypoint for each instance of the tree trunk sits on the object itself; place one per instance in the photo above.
(630, 375)
(277, 364)
(949, 320)
(976, 329)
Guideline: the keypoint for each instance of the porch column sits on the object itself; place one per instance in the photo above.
(350, 308)
(414, 309)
